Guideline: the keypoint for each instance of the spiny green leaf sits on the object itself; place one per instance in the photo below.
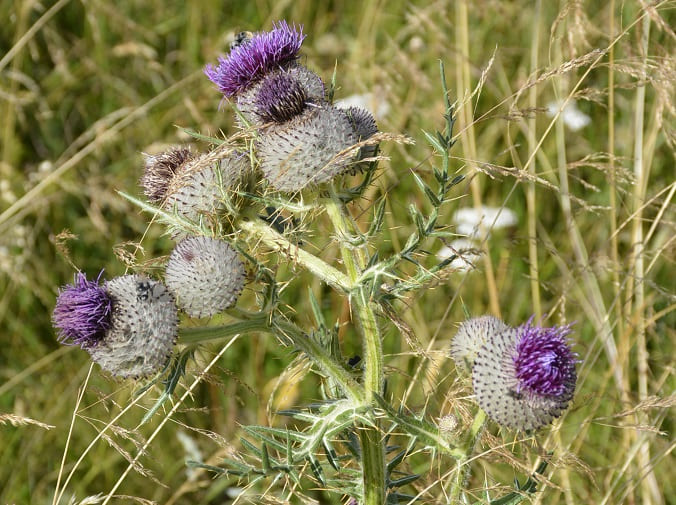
(394, 462)
(316, 468)
(330, 454)
(456, 180)
(205, 138)
(172, 381)
(378, 217)
(426, 432)
(251, 448)
(434, 142)
(403, 481)
(265, 459)
(396, 498)
(316, 311)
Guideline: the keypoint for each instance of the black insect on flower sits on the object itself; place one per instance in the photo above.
(525, 377)
(128, 325)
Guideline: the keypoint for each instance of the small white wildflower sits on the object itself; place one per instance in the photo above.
(448, 424)
(45, 166)
(192, 452)
(375, 104)
(468, 219)
(572, 117)
(6, 192)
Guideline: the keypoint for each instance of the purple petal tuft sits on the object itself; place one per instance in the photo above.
(82, 312)
(544, 363)
(247, 63)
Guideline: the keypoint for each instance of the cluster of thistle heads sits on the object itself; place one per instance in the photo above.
(523, 377)
(129, 324)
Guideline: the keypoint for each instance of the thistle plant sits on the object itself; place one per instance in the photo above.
(249, 203)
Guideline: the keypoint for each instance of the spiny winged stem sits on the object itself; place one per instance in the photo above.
(370, 437)
(260, 230)
(462, 466)
(373, 455)
(288, 331)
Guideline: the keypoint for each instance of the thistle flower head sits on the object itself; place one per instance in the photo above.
(250, 61)
(143, 330)
(82, 312)
(128, 325)
(192, 185)
(160, 171)
(363, 122)
(525, 377)
(281, 95)
(205, 275)
(312, 148)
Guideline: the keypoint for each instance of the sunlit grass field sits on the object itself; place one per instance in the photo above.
(87, 87)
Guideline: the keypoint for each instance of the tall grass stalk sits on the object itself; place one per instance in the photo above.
(530, 186)
(467, 135)
(649, 487)
(167, 417)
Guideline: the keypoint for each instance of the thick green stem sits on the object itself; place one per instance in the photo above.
(354, 259)
(370, 437)
(323, 360)
(207, 333)
(373, 465)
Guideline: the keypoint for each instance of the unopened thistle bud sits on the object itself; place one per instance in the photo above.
(525, 377)
(160, 170)
(177, 180)
(365, 127)
(205, 274)
(471, 336)
(128, 325)
(311, 149)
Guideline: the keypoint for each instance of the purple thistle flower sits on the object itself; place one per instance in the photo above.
(544, 363)
(82, 312)
(250, 61)
(128, 325)
(280, 98)
(525, 377)
(281, 95)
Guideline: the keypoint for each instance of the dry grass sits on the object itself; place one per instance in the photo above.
(86, 87)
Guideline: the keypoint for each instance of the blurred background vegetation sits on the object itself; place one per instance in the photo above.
(87, 86)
